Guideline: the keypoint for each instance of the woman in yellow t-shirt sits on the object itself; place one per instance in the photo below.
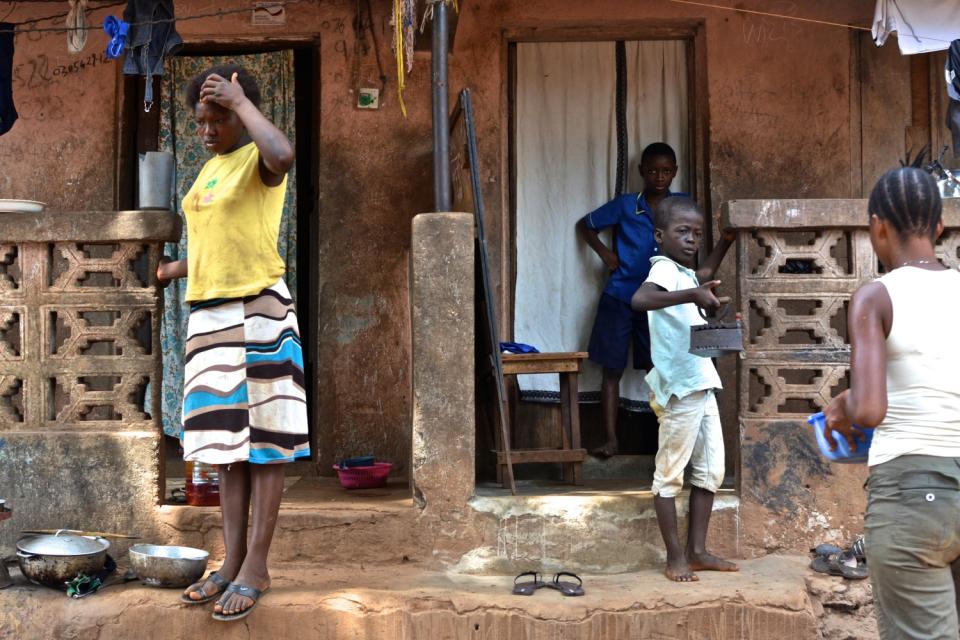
(244, 405)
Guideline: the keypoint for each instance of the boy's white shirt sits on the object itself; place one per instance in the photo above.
(676, 372)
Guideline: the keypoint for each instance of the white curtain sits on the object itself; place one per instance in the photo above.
(566, 166)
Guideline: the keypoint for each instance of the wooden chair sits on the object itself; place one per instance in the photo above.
(571, 455)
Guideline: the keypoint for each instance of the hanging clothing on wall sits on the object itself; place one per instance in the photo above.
(566, 151)
(153, 36)
(952, 70)
(922, 26)
(8, 113)
(77, 23)
(274, 72)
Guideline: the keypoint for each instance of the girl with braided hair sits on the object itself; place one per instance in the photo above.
(905, 361)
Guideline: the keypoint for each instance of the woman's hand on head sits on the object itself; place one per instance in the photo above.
(226, 93)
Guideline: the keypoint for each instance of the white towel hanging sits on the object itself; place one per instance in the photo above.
(77, 23)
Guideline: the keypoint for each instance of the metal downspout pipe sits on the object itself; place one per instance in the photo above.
(441, 110)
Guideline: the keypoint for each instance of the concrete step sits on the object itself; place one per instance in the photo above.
(601, 527)
(604, 526)
(319, 521)
(766, 600)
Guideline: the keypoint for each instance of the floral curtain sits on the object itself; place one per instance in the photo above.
(178, 135)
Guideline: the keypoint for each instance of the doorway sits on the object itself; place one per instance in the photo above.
(583, 103)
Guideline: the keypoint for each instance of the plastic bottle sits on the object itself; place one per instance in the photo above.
(203, 485)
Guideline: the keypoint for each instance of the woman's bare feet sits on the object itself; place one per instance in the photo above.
(206, 588)
(709, 562)
(233, 603)
(679, 571)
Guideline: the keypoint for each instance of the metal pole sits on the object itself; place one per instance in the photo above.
(441, 110)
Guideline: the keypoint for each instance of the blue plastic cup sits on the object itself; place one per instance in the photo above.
(842, 454)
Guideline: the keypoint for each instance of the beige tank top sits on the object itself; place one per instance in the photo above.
(923, 366)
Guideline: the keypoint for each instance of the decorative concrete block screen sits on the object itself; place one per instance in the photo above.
(79, 347)
(78, 311)
(798, 263)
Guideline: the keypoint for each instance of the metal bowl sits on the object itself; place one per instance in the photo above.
(167, 566)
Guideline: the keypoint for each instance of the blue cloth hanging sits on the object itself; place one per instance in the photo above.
(117, 31)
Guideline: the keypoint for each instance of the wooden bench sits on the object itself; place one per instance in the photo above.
(571, 455)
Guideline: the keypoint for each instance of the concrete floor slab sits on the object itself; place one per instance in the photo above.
(767, 600)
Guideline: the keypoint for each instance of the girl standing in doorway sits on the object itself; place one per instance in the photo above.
(244, 406)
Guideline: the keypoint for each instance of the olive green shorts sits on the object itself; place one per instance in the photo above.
(913, 544)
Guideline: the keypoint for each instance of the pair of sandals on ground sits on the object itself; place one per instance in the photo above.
(529, 587)
(849, 563)
(223, 587)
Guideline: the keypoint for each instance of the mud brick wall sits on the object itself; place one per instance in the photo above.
(798, 263)
(80, 369)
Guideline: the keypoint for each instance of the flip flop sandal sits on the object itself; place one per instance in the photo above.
(246, 592)
(565, 587)
(859, 548)
(837, 565)
(220, 582)
(528, 587)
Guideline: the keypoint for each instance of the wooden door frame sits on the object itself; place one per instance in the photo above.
(693, 32)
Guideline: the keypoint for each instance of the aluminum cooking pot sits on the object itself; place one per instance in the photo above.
(54, 560)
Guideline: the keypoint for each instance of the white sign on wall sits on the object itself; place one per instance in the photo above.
(269, 14)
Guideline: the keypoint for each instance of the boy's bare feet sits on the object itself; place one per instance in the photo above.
(709, 562)
(679, 571)
(608, 450)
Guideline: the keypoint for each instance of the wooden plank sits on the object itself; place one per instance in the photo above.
(465, 170)
(126, 165)
(917, 135)
(884, 109)
(527, 363)
(698, 105)
(856, 115)
(555, 355)
(827, 213)
(569, 384)
(542, 31)
(522, 456)
(550, 366)
(939, 99)
(568, 405)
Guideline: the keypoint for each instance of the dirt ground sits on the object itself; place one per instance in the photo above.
(843, 607)
(775, 598)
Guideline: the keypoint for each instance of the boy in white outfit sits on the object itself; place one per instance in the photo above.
(683, 384)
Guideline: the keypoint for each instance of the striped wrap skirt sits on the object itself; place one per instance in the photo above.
(244, 395)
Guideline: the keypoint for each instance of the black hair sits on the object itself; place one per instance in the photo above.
(909, 199)
(249, 83)
(658, 150)
(671, 206)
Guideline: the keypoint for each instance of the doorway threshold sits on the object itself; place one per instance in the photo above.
(603, 526)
